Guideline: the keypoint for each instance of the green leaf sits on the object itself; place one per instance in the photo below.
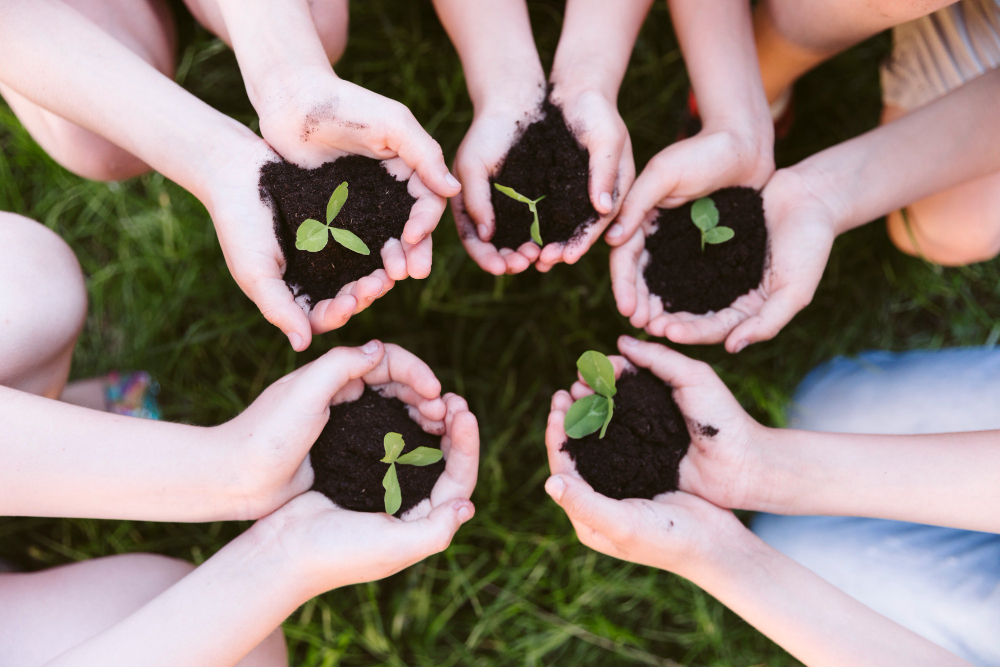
(536, 228)
(586, 416)
(704, 214)
(719, 235)
(598, 372)
(607, 420)
(513, 194)
(350, 241)
(337, 201)
(393, 494)
(421, 456)
(311, 236)
(394, 444)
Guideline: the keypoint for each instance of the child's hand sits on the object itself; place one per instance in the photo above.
(801, 229)
(272, 438)
(490, 137)
(597, 125)
(674, 531)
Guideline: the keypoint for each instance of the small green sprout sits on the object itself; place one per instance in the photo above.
(312, 235)
(706, 218)
(536, 230)
(421, 456)
(593, 412)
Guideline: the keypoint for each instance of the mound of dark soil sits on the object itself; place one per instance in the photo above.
(377, 209)
(546, 160)
(347, 456)
(692, 281)
(640, 454)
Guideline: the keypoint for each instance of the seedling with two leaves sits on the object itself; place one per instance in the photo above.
(593, 413)
(705, 217)
(313, 235)
(536, 230)
(421, 456)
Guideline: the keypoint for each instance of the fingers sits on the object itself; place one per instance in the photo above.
(687, 329)
(319, 381)
(394, 259)
(670, 366)
(402, 367)
(478, 198)
(331, 314)
(461, 448)
(606, 145)
(425, 213)
(428, 412)
(419, 258)
(624, 264)
(776, 311)
(419, 538)
(482, 253)
(278, 306)
(423, 154)
(586, 507)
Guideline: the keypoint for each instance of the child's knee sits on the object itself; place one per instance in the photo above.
(331, 20)
(938, 241)
(90, 156)
(44, 301)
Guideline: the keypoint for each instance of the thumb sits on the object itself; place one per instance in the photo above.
(278, 306)
(777, 311)
(669, 365)
(605, 148)
(587, 507)
(418, 539)
(424, 155)
(655, 183)
(320, 380)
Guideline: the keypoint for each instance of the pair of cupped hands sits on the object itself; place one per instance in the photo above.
(323, 117)
(334, 547)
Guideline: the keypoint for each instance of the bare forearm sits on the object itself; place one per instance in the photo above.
(808, 617)
(716, 38)
(66, 461)
(946, 479)
(214, 616)
(494, 40)
(93, 80)
(951, 140)
(596, 43)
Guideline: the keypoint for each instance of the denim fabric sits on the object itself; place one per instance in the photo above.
(939, 582)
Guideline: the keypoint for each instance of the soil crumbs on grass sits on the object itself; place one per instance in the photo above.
(640, 454)
(346, 458)
(376, 210)
(692, 281)
(547, 160)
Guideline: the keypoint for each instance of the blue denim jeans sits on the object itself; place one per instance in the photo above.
(942, 583)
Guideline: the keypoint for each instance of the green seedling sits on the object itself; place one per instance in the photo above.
(705, 217)
(313, 237)
(421, 456)
(536, 230)
(592, 413)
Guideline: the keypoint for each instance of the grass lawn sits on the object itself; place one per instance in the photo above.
(515, 587)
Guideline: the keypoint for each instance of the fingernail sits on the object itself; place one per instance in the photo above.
(370, 347)
(452, 181)
(483, 232)
(628, 341)
(740, 346)
(295, 340)
(605, 201)
(615, 231)
(464, 513)
(555, 486)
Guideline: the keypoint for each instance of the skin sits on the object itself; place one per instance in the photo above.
(129, 104)
(507, 87)
(696, 539)
(808, 205)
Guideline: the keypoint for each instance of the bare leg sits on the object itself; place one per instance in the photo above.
(42, 306)
(144, 26)
(794, 36)
(330, 17)
(955, 227)
(44, 614)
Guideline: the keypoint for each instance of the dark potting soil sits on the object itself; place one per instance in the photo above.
(692, 281)
(546, 160)
(376, 210)
(346, 458)
(640, 454)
